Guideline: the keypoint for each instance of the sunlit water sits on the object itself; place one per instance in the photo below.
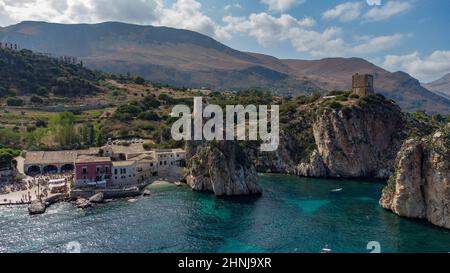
(293, 215)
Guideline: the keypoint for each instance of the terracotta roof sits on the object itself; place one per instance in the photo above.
(55, 157)
(139, 157)
(92, 159)
(123, 163)
(131, 149)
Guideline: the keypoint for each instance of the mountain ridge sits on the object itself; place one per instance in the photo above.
(440, 86)
(186, 58)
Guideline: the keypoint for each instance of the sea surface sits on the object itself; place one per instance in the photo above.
(294, 214)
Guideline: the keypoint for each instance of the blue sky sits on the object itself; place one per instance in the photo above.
(408, 35)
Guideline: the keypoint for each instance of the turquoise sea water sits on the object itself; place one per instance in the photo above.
(293, 215)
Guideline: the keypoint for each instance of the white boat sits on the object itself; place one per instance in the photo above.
(326, 250)
(337, 190)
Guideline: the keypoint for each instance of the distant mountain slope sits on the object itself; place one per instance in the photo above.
(441, 86)
(23, 72)
(186, 58)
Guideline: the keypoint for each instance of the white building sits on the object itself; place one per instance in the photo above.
(139, 169)
(170, 162)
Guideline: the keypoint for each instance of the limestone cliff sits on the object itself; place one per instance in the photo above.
(279, 161)
(357, 139)
(420, 187)
(220, 167)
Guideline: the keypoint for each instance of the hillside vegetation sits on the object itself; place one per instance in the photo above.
(185, 58)
(23, 72)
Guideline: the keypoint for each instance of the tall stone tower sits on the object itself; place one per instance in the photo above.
(362, 85)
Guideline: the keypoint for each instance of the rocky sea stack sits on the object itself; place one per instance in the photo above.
(337, 136)
(420, 187)
(356, 139)
(221, 167)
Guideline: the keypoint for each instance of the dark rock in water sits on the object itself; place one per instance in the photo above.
(146, 193)
(222, 168)
(98, 198)
(36, 207)
(83, 203)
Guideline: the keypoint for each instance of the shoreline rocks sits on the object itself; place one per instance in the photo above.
(37, 207)
(82, 203)
(97, 198)
(146, 193)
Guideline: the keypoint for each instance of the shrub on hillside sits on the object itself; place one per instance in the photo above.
(36, 100)
(149, 115)
(14, 102)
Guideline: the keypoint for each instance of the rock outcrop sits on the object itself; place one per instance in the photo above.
(314, 167)
(355, 139)
(220, 167)
(420, 187)
(279, 161)
(146, 193)
(36, 207)
(82, 203)
(97, 198)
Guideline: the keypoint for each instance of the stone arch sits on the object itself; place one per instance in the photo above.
(50, 169)
(67, 168)
(34, 169)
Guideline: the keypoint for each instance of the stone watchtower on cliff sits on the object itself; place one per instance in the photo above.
(362, 85)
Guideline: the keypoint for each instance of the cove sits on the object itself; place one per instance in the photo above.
(294, 215)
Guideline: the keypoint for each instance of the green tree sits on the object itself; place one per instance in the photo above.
(6, 156)
(99, 138)
(139, 80)
(62, 126)
(88, 134)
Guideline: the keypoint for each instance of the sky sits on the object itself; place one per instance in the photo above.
(408, 35)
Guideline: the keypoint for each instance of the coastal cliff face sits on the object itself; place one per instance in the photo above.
(420, 187)
(356, 139)
(220, 167)
(279, 161)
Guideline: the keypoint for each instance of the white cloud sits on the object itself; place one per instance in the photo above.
(350, 11)
(384, 12)
(375, 44)
(269, 30)
(185, 14)
(75, 11)
(232, 6)
(345, 12)
(281, 5)
(266, 28)
(424, 68)
(373, 2)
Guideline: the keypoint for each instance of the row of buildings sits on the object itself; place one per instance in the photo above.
(111, 166)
